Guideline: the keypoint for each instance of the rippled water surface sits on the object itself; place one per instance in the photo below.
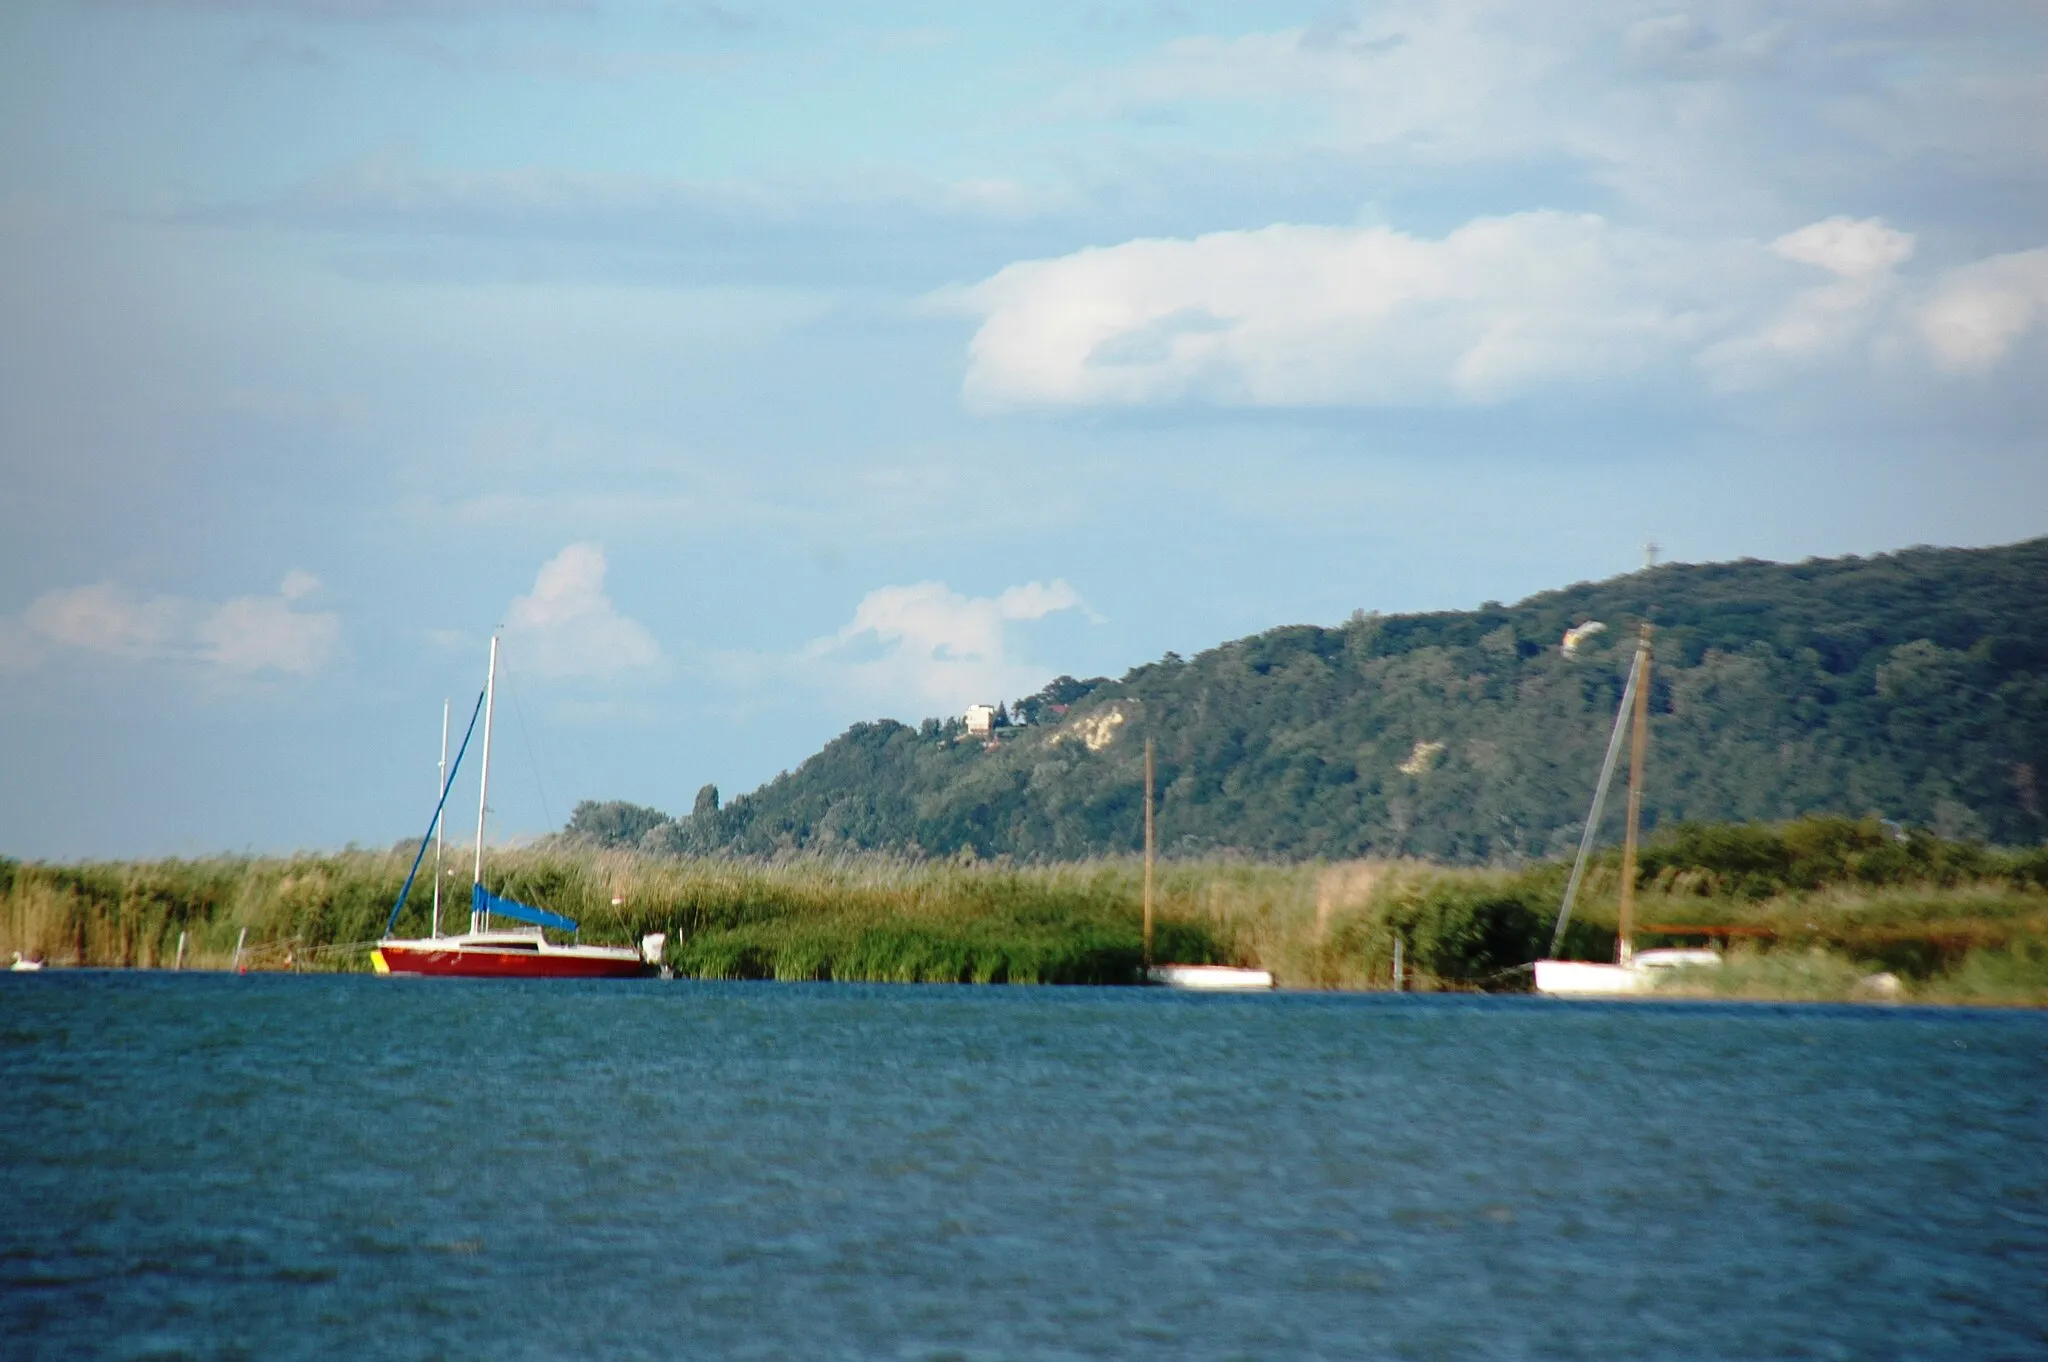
(349, 1166)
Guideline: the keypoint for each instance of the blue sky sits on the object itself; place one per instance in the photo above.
(761, 368)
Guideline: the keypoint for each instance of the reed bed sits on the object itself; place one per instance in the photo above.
(882, 918)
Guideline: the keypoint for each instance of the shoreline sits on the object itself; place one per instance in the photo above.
(1681, 996)
(1316, 926)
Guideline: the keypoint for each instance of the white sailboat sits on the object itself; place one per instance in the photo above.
(1208, 978)
(1632, 971)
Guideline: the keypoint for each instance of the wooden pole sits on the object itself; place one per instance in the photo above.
(1400, 984)
(1148, 853)
(1625, 942)
(244, 936)
(181, 950)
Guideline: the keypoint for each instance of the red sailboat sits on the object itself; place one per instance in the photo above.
(483, 952)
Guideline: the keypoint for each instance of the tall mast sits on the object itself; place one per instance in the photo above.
(440, 793)
(1625, 943)
(1148, 853)
(481, 922)
(1591, 832)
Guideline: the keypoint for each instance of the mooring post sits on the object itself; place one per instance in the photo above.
(238, 949)
(1400, 985)
(181, 950)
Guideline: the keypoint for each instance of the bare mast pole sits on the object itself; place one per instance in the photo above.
(1592, 829)
(1639, 741)
(1148, 853)
(481, 921)
(1639, 738)
(441, 793)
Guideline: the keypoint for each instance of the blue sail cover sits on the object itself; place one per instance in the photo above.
(483, 900)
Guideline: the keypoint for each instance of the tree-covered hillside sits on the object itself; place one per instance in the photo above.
(1912, 686)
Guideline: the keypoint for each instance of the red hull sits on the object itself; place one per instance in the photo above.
(485, 963)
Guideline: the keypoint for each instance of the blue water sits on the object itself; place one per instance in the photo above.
(287, 1166)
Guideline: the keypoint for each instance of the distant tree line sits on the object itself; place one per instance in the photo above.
(1910, 687)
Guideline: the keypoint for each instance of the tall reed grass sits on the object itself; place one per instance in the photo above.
(869, 917)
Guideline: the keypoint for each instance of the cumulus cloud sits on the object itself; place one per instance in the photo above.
(1851, 247)
(1309, 315)
(257, 633)
(107, 618)
(567, 628)
(926, 647)
(1822, 319)
(1979, 311)
(240, 636)
(1293, 315)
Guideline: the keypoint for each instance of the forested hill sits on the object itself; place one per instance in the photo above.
(1912, 686)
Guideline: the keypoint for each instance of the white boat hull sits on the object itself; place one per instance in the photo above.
(1588, 979)
(1211, 978)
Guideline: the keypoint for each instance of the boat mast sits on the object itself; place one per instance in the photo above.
(1639, 738)
(479, 922)
(442, 791)
(1148, 853)
(1592, 829)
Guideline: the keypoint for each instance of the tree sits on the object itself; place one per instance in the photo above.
(613, 823)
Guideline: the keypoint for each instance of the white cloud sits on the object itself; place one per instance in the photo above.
(1979, 311)
(107, 618)
(244, 635)
(926, 647)
(567, 628)
(1824, 319)
(1305, 315)
(254, 633)
(1850, 247)
(1293, 315)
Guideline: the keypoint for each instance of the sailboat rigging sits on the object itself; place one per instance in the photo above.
(1633, 971)
(484, 952)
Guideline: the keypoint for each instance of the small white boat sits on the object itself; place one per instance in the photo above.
(1209, 978)
(1212, 978)
(1643, 973)
(21, 965)
(1633, 971)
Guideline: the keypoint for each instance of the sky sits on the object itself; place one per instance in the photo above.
(756, 369)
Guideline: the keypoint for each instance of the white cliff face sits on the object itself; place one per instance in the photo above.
(1093, 731)
(1422, 758)
(1575, 636)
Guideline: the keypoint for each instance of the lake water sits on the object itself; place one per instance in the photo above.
(286, 1166)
